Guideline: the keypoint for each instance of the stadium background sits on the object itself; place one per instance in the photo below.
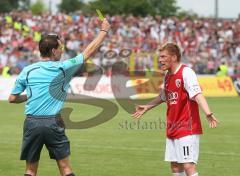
(123, 146)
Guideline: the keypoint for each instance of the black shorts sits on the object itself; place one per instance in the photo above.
(38, 131)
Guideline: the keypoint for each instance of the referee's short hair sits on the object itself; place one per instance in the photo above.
(173, 49)
(47, 43)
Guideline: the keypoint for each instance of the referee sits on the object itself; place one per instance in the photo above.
(43, 123)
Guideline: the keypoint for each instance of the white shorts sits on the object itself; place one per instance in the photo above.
(183, 150)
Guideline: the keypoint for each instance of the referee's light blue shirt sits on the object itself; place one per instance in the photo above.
(46, 84)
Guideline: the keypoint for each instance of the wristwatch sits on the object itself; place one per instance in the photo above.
(104, 30)
(209, 115)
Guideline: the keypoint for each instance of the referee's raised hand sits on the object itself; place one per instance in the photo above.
(105, 25)
(94, 45)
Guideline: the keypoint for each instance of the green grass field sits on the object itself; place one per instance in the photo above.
(111, 149)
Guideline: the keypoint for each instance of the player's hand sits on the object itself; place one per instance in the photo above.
(105, 25)
(140, 110)
(213, 121)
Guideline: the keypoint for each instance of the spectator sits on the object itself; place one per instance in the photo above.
(204, 41)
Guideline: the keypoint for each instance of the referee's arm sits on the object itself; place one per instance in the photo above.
(19, 87)
(94, 45)
(17, 98)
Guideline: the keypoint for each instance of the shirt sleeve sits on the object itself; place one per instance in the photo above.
(20, 83)
(191, 83)
(76, 61)
(70, 67)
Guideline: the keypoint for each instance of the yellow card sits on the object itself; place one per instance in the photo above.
(100, 15)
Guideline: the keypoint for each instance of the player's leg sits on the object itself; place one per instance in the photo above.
(190, 169)
(187, 153)
(31, 169)
(177, 169)
(171, 156)
(64, 167)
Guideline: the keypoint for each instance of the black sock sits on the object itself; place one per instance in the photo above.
(27, 175)
(72, 174)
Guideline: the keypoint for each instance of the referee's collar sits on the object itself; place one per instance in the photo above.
(46, 59)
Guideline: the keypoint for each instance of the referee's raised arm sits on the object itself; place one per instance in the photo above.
(94, 45)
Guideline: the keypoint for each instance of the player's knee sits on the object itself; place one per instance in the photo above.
(31, 171)
(176, 167)
(65, 166)
(189, 168)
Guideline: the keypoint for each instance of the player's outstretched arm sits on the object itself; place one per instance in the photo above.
(212, 120)
(94, 45)
(142, 109)
(17, 98)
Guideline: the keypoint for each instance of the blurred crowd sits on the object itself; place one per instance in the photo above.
(205, 43)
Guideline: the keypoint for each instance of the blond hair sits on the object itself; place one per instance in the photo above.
(173, 49)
